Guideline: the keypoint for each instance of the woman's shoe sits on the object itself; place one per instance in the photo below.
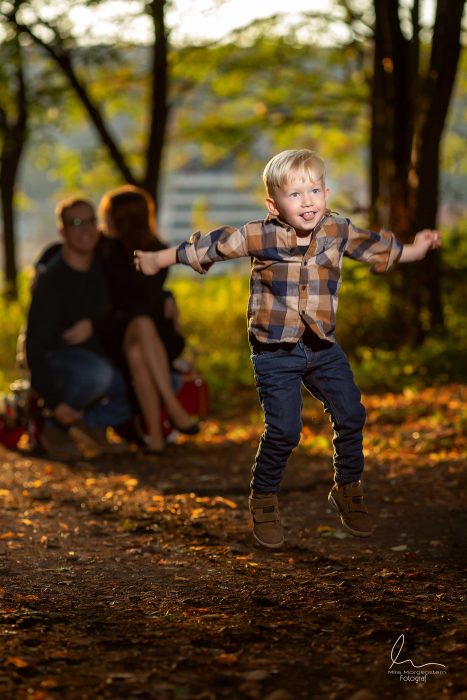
(192, 429)
(155, 451)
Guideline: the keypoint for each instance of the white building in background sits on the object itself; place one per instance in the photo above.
(202, 200)
(189, 201)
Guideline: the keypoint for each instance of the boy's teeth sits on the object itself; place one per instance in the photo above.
(308, 215)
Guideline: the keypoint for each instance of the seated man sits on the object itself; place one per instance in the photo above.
(82, 390)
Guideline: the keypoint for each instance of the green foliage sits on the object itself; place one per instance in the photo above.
(435, 363)
(213, 313)
(213, 316)
(454, 150)
(267, 96)
(12, 318)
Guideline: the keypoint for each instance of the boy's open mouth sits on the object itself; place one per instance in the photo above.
(308, 215)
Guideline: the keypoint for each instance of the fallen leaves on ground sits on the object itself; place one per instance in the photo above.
(137, 577)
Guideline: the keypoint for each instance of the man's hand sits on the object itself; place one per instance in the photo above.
(66, 415)
(79, 332)
(424, 241)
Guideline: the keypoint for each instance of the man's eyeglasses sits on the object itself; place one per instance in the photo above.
(77, 222)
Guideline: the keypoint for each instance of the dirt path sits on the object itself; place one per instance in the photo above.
(137, 577)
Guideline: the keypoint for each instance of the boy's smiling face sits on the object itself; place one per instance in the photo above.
(300, 202)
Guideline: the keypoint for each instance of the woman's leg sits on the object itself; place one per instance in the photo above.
(142, 331)
(146, 393)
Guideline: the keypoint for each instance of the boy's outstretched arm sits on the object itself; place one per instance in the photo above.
(424, 241)
(150, 263)
(200, 252)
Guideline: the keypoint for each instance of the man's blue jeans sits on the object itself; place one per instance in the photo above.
(326, 373)
(91, 383)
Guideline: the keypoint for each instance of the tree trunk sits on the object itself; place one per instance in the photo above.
(158, 110)
(9, 246)
(439, 84)
(14, 132)
(409, 115)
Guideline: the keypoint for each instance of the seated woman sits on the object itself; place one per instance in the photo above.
(146, 333)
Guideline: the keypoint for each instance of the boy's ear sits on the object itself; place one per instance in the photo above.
(271, 206)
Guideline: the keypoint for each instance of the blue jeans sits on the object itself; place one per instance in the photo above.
(91, 383)
(326, 373)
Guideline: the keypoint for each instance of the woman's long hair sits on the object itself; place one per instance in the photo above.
(133, 214)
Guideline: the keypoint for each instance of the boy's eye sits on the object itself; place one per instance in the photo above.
(316, 190)
(294, 194)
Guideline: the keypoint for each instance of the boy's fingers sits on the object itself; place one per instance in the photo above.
(435, 239)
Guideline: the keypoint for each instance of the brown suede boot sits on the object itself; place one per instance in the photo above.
(347, 499)
(94, 440)
(58, 444)
(267, 527)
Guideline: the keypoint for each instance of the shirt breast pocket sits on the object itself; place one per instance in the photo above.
(329, 251)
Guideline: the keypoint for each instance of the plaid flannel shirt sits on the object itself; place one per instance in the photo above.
(290, 291)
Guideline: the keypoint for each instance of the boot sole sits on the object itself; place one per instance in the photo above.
(86, 440)
(268, 544)
(100, 449)
(356, 533)
(57, 455)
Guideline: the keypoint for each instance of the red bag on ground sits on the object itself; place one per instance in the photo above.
(20, 414)
(193, 394)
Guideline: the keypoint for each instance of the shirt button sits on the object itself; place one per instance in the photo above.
(303, 286)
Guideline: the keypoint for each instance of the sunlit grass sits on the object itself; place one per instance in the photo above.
(12, 320)
(213, 317)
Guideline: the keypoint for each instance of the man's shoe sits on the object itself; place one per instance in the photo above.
(347, 499)
(267, 527)
(58, 444)
(95, 440)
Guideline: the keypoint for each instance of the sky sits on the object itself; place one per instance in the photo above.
(199, 20)
(196, 20)
(193, 19)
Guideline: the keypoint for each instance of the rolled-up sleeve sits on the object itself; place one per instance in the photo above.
(224, 243)
(381, 250)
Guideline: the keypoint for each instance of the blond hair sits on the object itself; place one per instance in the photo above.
(301, 162)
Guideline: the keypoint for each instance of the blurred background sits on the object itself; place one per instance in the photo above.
(190, 99)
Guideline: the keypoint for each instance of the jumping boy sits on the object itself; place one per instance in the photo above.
(296, 259)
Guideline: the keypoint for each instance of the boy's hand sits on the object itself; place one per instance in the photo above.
(147, 263)
(151, 263)
(424, 241)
